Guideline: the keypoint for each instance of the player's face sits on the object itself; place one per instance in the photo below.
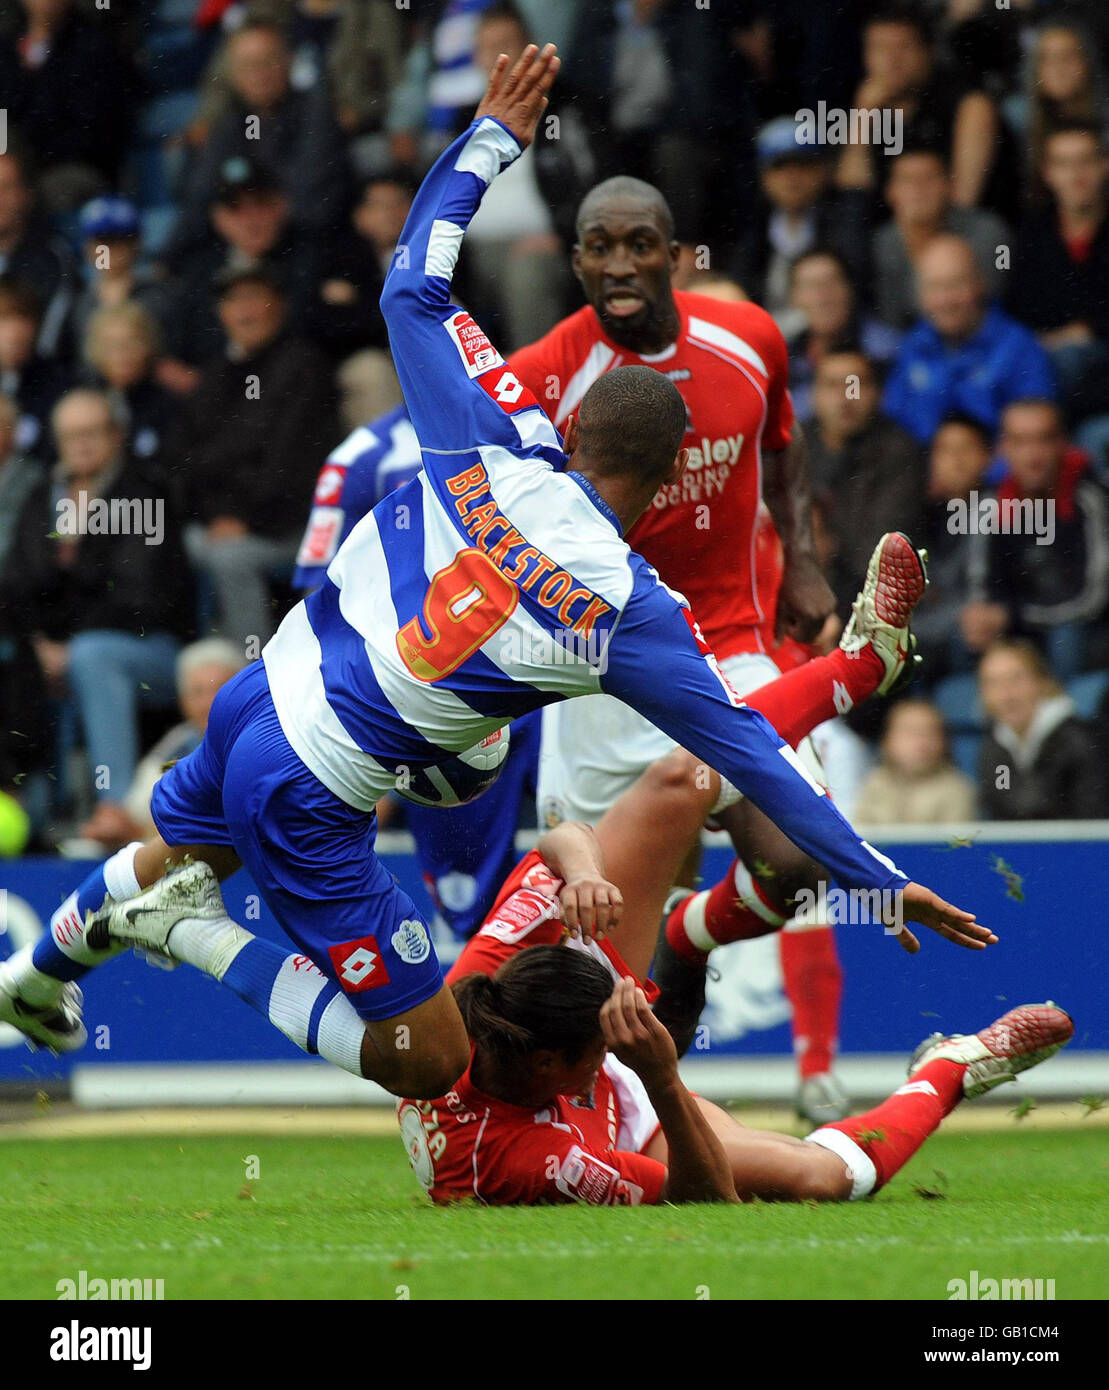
(624, 262)
(576, 1078)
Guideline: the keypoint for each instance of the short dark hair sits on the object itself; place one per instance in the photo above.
(19, 298)
(967, 422)
(623, 185)
(503, 11)
(905, 12)
(398, 174)
(632, 421)
(1076, 127)
(544, 998)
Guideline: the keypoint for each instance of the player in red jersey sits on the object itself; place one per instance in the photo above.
(542, 1114)
(755, 601)
(573, 1092)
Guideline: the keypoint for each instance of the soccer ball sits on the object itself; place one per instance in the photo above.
(456, 780)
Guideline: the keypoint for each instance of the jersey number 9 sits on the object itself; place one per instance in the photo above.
(466, 603)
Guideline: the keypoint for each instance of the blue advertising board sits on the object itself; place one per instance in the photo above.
(1051, 925)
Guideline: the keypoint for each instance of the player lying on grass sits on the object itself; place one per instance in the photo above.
(573, 1094)
(495, 583)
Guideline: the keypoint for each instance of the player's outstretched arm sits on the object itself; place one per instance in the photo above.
(695, 706)
(439, 352)
(698, 1169)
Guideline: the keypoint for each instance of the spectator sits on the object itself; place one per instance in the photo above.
(915, 783)
(823, 314)
(919, 196)
(1038, 762)
(70, 91)
(246, 448)
(33, 381)
(202, 669)
(799, 212)
(355, 51)
(1065, 82)
(30, 253)
(23, 731)
(114, 597)
(949, 631)
(870, 470)
(1060, 280)
(964, 355)
(110, 233)
(293, 134)
(344, 315)
(937, 111)
(1046, 561)
(121, 347)
(250, 225)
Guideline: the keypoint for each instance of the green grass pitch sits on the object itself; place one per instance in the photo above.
(340, 1218)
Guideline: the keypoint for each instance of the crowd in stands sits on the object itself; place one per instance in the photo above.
(199, 201)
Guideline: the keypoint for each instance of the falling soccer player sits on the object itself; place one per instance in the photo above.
(495, 583)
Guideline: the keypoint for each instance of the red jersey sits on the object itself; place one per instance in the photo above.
(578, 1149)
(730, 365)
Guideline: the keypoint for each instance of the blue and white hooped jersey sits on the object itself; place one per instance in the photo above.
(496, 581)
(372, 461)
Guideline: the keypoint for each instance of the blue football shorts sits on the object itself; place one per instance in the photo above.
(309, 853)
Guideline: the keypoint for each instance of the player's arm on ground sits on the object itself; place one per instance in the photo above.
(696, 707)
(590, 903)
(698, 1167)
(439, 354)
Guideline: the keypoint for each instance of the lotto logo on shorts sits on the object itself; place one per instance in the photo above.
(358, 965)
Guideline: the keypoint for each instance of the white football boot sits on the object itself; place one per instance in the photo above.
(1018, 1040)
(146, 920)
(896, 579)
(57, 1027)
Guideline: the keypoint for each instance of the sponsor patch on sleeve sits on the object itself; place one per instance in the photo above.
(477, 352)
(321, 539)
(586, 1178)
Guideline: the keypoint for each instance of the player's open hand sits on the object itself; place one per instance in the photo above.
(920, 904)
(591, 905)
(517, 98)
(635, 1036)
